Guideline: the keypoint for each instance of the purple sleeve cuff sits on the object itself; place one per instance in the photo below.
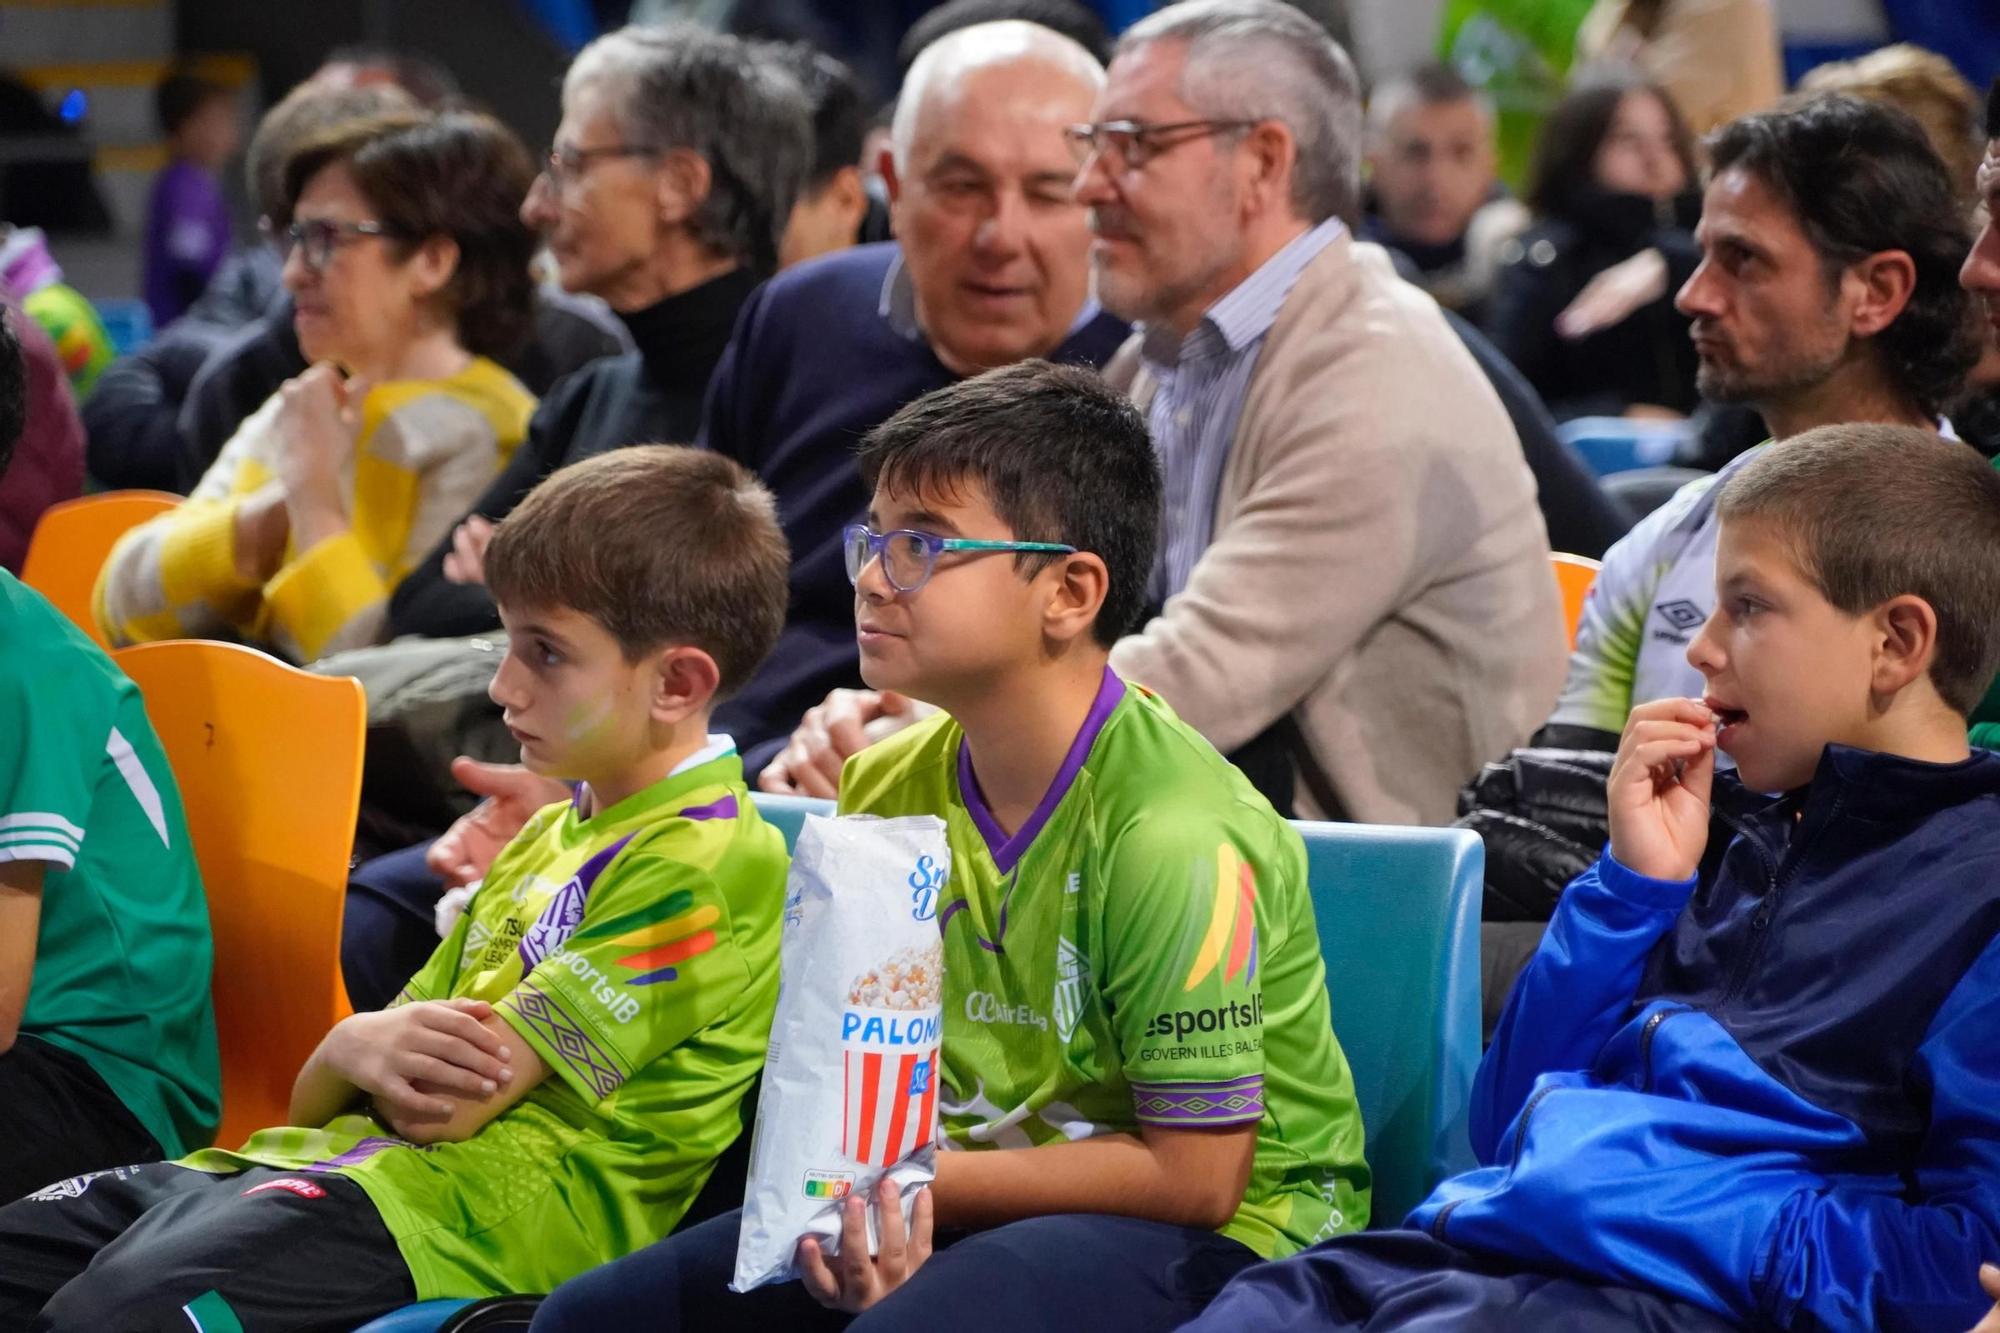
(540, 1018)
(1238, 1101)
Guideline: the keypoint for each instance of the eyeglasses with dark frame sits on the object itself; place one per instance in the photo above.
(564, 165)
(316, 239)
(909, 558)
(1135, 143)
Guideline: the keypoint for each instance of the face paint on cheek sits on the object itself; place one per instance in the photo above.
(588, 721)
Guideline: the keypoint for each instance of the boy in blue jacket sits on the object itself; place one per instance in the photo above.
(1752, 1084)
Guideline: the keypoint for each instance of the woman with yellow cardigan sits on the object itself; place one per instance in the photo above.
(408, 263)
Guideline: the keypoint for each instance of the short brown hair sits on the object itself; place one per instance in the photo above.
(659, 544)
(1873, 512)
(308, 112)
(460, 174)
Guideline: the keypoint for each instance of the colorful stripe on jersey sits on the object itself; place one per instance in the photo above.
(685, 934)
(1232, 920)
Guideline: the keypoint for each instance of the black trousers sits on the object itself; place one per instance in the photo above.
(61, 1120)
(148, 1249)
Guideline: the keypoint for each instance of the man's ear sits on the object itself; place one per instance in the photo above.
(685, 178)
(684, 682)
(1906, 630)
(1273, 154)
(885, 167)
(1884, 283)
(1081, 582)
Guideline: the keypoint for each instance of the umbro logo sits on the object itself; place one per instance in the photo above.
(1682, 615)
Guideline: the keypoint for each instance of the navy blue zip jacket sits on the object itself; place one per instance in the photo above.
(1772, 1090)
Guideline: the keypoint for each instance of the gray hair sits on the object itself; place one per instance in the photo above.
(1262, 60)
(680, 86)
(954, 57)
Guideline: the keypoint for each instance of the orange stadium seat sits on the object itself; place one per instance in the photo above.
(71, 542)
(268, 759)
(1574, 575)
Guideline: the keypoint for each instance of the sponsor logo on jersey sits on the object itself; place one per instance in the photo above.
(305, 1189)
(686, 933)
(610, 996)
(1181, 1024)
(983, 1006)
(1230, 941)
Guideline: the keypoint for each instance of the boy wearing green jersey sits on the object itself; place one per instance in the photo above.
(1140, 1077)
(554, 1086)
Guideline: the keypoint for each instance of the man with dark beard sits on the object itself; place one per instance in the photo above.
(1831, 239)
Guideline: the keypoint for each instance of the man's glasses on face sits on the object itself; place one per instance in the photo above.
(909, 557)
(565, 166)
(1135, 143)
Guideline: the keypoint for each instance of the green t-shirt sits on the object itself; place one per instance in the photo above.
(123, 955)
(1141, 951)
(637, 952)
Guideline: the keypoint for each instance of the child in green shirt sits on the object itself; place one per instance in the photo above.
(553, 1087)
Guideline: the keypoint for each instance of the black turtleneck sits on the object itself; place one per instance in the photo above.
(652, 395)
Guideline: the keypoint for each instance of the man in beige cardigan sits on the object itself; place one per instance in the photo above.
(1354, 571)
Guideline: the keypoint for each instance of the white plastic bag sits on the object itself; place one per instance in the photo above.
(850, 1081)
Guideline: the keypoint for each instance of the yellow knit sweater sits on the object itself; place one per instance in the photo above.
(425, 451)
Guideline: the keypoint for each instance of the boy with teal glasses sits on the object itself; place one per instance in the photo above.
(1142, 1094)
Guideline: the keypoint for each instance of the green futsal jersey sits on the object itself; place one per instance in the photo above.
(1140, 952)
(637, 953)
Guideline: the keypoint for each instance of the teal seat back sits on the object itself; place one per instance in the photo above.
(1398, 917)
(787, 814)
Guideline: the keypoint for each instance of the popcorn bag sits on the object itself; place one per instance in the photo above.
(850, 1080)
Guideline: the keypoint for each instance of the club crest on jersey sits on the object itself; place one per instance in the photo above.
(1230, 941)
(1072, 977)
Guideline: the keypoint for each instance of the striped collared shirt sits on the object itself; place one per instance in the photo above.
(1202, 382)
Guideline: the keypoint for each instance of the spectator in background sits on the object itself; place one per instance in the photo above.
(991, 268)
(187, 222)
(834, 209)
(1357, 605)
(32, 281)
(133, 416)
(1433, 195)
(363, 66)
(1717, 59)
(1613, 176)
(407, 264)
(1922, 84)
(675, 239)
(47, 462)
(1827, 294)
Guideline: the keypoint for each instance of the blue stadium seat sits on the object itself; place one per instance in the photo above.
(1398, 916)
(423, 1317)
(788, 814)
(1614, 444)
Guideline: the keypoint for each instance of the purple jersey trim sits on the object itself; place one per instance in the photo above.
(1235, 1101)
(1007, 852)
(593, 1066)
(726, 808)
(564, 911)
(359, 1153)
